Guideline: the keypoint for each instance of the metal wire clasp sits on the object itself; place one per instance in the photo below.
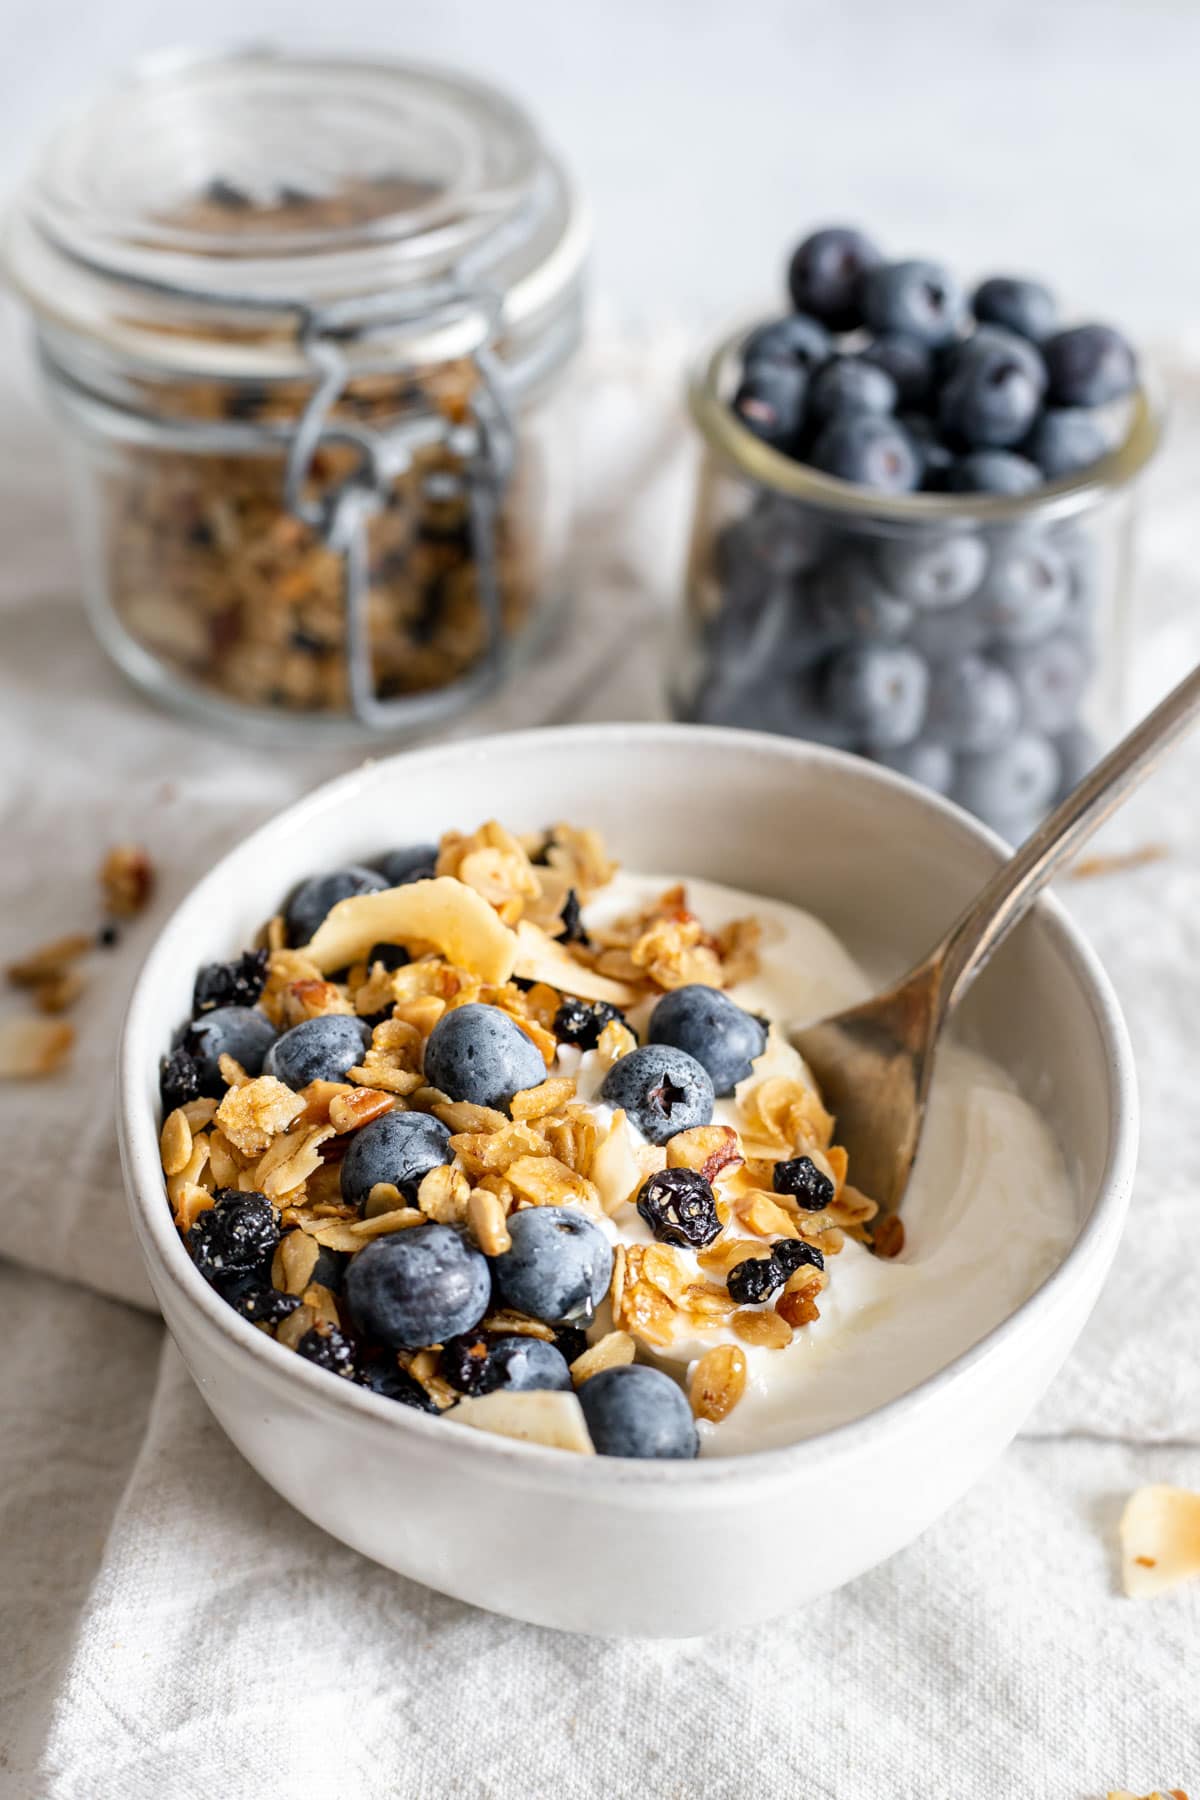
(484, 443)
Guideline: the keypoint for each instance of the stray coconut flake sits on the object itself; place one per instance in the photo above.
(443, 912)
(1160, 1540)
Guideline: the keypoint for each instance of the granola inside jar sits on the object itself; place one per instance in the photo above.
(306, 322)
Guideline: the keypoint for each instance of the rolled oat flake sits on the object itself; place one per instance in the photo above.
(304, 320)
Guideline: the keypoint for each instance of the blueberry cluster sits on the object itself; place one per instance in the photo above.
(887, 375)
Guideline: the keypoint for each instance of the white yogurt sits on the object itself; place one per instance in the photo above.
(989, 1214)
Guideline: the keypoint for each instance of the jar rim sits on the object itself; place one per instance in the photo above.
(427, 184)
(724, 433)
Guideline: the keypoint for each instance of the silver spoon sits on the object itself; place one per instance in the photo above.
(875, 1062)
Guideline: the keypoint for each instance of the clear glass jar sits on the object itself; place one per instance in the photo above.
(306, 322)
(975, 643)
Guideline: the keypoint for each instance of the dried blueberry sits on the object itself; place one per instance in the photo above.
(755, 1280)
(570, 1342)
(262, 1305)
(386, 1377)
(392, 956)
(329, 1348)
(680, 1208)
(237, 983)
(464, 1362)
(793, 1253)
(580, 1022)
(234, 1238)
(572, 919)
(801, 1178)
(178, 1079)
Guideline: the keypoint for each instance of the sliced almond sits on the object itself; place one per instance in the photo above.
(718, 1382)
(542, 958)
(541, 1416)
(1160, 1540)
(443, 912)
(609, 1352)
(175, 1143)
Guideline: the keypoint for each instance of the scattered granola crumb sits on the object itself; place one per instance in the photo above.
(32, 1048)
(48, 962)
(888, 1239)
(126, 879)
(1119, 862)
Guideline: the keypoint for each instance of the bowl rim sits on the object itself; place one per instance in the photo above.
(163, 1250)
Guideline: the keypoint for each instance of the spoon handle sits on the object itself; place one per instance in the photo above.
(1007, 897)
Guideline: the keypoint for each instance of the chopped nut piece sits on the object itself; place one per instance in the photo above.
(1160, 1540)
(58, 993)
(718, 1382)
(614, 1348)
(615, 1041)
(127, 879)
(463, 1117)
(488, 1226)
(358, 1106)
(705, 1148)
(888, 1238)
(31, 1048)
(189, 1203)
(175, 1143)
(251, 1115)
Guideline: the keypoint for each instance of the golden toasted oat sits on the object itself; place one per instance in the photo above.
(60, 992)
(253, 1114)
(706, 1148)
(1160, 1540)
(515, 1324)
(1158, 1794)
(189, 1202)
(762, 1214)
(615, 1041)
(175, 1142)
(728, 1252)
(232, 1072)
(545, 1181)
(294, 1260)
(608, 1352)
(452, 917)
(443, 1195)
(295, 1325)
(718, 1382)
(126, 879)
(766, 1328)
(32, 1048)
(384, 1197)
(547, 1097)
(379, 1224)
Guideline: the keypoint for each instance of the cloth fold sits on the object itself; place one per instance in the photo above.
(172, 1628)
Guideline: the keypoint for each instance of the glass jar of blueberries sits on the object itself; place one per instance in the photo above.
(912, 530)
(306, 321)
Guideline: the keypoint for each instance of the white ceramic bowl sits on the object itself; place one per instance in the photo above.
(600, 1545)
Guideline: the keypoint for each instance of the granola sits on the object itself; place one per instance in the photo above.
(415, 1174)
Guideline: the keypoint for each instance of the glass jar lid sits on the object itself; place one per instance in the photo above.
(185, 216)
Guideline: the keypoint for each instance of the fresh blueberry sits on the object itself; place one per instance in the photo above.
(907, 360)
(314, 898)
(1025, 307)
(633, 1410)
(991, 398)
(973, 705)
(1089, 365)
(825, 274)
(706, 1023)
(238, 1031)
(849, 384)
(234, 1239)
(1011, 784)
(880, 691)
(947, 632)
(1065, 440)
(558, 1267)
(786, 705)
(320, 1049)
(1051, 677)
(929, 764)
(793, 339)
(398, 1147)
(933, 571)
(238, 983)
(663, 1090)
(994, 472)
(580, 1022)
(680, 1208)
(776, 537)
(480, 1054)
(871, 451)
(770, 402)
(1077, 752)
(800, 1177)
(417, 862)
(1080, 549)
(1025, 592)
(517, 1364)
(918, 299)
(851, 604)
(417, 1287)
(936, 458)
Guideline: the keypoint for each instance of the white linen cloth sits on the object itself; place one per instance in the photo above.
(169, 1627)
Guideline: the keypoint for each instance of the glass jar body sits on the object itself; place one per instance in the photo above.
(214, 597)
(983, 656)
